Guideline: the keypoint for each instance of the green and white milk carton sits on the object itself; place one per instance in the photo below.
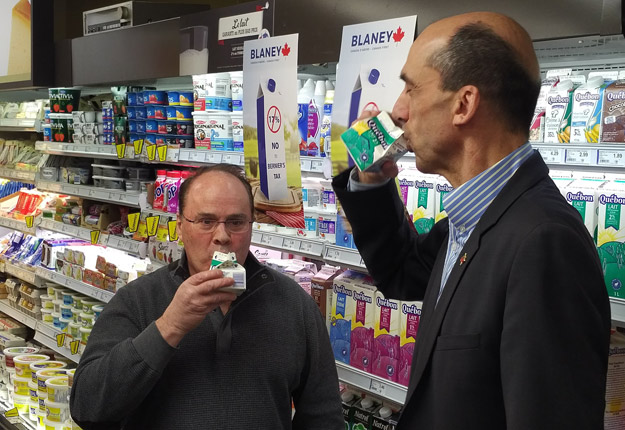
(421, 203)
(559, 109)
(611, 236)
(581, 195)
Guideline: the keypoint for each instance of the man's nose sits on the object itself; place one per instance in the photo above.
(400, 109)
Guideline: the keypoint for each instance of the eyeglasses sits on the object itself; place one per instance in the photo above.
(209, 225)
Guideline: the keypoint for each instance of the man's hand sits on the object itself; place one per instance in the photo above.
(389, 169)
(195, 298)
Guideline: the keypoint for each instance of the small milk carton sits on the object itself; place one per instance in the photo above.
(363, 322)
(611, 237)
(442, 189)
(613, 123)
(558, 112)
(227, 263)
(422, 204)
(410, 315)
(321, 289)
(341, 312)
(386, 337)
(537, 126)
(581, 195)
(587, 109)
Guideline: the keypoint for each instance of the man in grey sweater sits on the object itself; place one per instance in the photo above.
(172, 350)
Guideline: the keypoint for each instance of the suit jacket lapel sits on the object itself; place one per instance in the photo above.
(531, 172)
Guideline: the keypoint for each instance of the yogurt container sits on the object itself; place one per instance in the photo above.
(23, 362)
(173, 98)
(184, 128)
(67, 297)
(43, 375)
(159, 112)
(236, 86)
(87, 320)
(46, 315)
(184, 113)
(21, 403)
(152, 97)
(66, 311)
(58, 389)
(151, 126)
(212, 130)
(12, 352)
(73, 329)
(47, 364)
(185, 98)
(20, 385)
(56, 411)
(171, 112)
(84, 334)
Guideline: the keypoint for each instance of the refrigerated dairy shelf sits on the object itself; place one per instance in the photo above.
(77, 149)
(52, 343)
(315, 164)
(17, 124)
(18, 175)
(119, 197)
(604, 155)
(210, 156)
(25, 274)
(372, 384)
(10, 420)
(344, 257)
(18, 225)
(18, 315)
(74, 284)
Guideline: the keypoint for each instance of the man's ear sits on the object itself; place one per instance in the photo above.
(466, 103)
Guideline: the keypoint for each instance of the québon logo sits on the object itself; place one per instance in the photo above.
(603, 199)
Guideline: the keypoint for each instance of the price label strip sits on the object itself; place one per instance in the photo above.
(172, 229)
(95, 237)
(579, 156)
(151, 150)
(552, 155)
(162, 152)
(121, 150)
(133, 221)
(138, 144)
(30, 221)
(613, 158)
(377, 387)
(152, 224)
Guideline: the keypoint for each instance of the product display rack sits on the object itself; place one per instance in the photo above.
(16, 423)
(18, 175)
(119, 197)
(364, 381)
(74, 284)
(18, 225)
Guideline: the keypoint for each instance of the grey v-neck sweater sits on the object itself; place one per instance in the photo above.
(237, 371)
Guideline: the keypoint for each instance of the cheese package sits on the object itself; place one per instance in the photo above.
(227, 263)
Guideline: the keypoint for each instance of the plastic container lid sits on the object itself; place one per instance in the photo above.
(174, 174)
(366, 403)
(58, 381)
(161, 172)
(385, 412)
(347, 396)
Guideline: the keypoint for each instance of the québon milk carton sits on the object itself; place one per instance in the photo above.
(442, 189)
(559, 109)
(611, 237)
(363, 322)
(386, 337)
(410, 314)
(341, 312)
(581, 195)
(422, 203)
(587, 110)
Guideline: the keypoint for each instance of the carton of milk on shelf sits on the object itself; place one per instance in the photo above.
(614, 417)
(421, 203)
(442, 189)
(581, 195)
(363, 322)
(537, 126)
(410, 316)
(386, 337)
(613, 124)
(341, 312)
(611, 237)
(559, 109)
(227, 263)
(587, 109)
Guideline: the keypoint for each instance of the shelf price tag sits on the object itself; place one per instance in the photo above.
(95, 236)
(133, 221)
(613, 158)
(333, 254)
(30, 220)
(162, 152)
(152, 224)
(121, 150)
(316, 166)
(377, 387)
(138, 144)
(173, 231)
(267, 239)
(306, 247)
(60, 340)
(12, 416)
(552, 155)
(292, 244)
(579, 156)
(73, 346)
(151, 150)
(305, 165)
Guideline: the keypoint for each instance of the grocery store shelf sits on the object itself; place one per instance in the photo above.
(315, 164)
(77, 149)
(18, 225)
(14, 422)
(74, 284)
(618, 310)
(128, 245)
(17, 124)
(373, 384)
(52, 343)
(281, 242)
(27, 275)
(212, 156)
(18, 175)
(345, 257)
(119, 197)
(19, 316)
(603, 155)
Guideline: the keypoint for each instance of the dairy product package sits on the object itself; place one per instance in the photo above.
(315, 115)
(410, 314)
(611, 237)
(613, 115)
(537, 126)
(581, 195)
(386, 337)
(341, 312)
(326, 122)
(442, 189)
(558, 111)
(363, 322)
(384, 419)
(422, 203)
(614, 418)
(321, 289)
(373, 141)
(227, 263)
(304, 97)
(363, 412)
(406, 179)
(587, 109)
(344, 238)
(348, 400)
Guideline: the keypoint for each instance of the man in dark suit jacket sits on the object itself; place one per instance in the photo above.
(516, 320)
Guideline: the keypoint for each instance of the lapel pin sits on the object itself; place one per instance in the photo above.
(463, 259)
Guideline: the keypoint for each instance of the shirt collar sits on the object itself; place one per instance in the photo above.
(466, 204)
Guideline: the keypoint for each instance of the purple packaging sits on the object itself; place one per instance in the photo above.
(172, 185)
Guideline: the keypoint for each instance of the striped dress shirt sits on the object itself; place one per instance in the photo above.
(466, 204)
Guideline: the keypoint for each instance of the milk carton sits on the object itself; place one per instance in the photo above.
(363, 322)
(581, 195)
(614, 418)
(321, 289)
(587, 109)
(341, 312)
(384, 419)
(442, 189)
(348, 401)
(410, 315)
(611, 237)
(407, 178)
(386, 337)
(537, 126)
(421, 204)
(558, 112)
(613, 115)
(362, 414)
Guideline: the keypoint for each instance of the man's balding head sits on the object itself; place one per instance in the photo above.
(492, 52)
